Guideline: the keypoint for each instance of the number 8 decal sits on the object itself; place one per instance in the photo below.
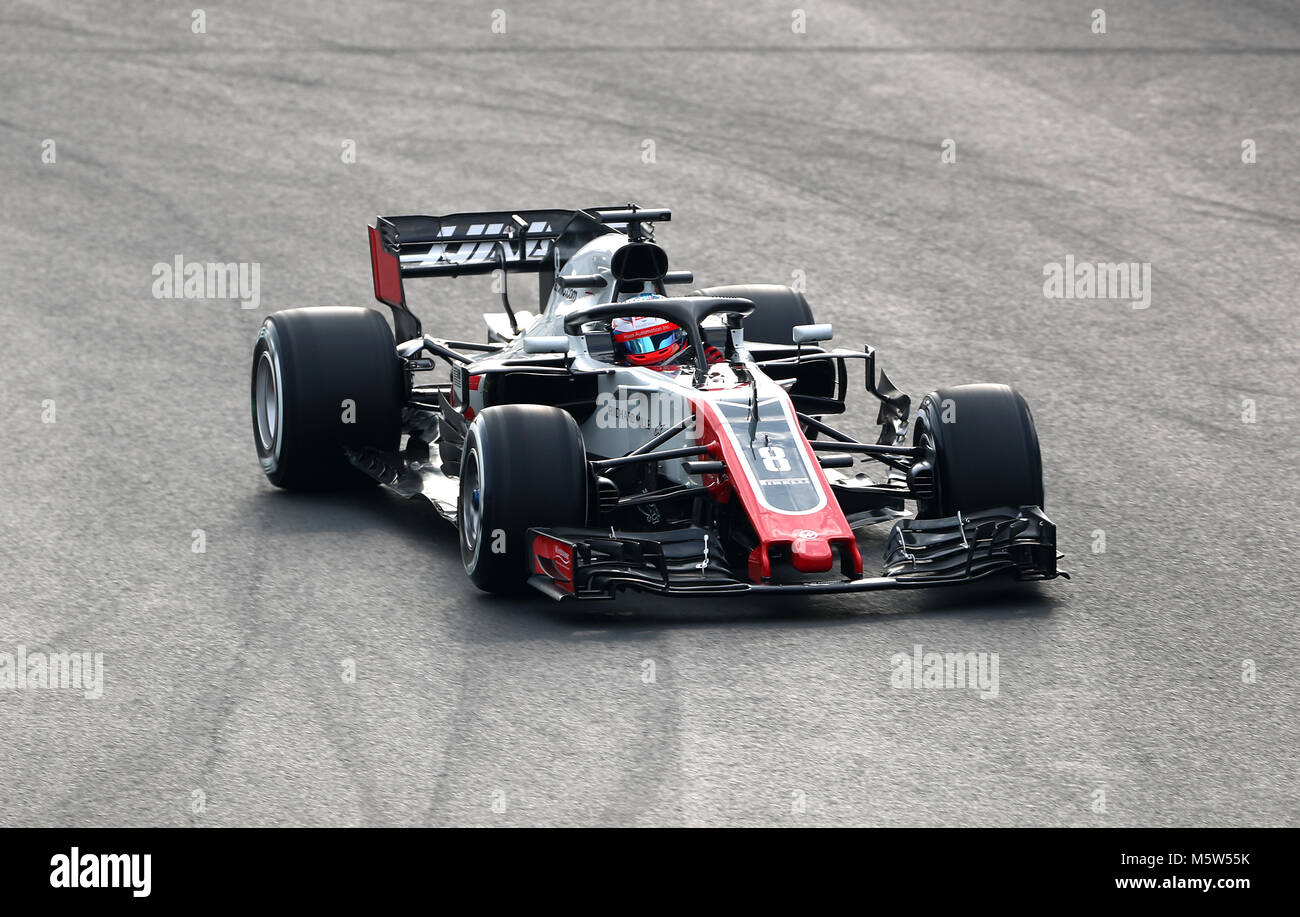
(774, 458)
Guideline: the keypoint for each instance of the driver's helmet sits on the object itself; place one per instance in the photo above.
(646, 340)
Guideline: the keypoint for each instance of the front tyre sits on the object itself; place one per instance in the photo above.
(522, 466)
(979, 451)
(324, 380)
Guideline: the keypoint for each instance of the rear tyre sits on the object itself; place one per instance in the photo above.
(324, 379)
(777, 309)
(522, 466)
(979, 451)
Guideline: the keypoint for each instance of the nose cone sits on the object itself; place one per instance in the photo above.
(811, 555)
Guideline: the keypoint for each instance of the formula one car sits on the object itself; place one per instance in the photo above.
(626, 438)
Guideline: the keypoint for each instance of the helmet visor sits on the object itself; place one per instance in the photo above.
(652, 343)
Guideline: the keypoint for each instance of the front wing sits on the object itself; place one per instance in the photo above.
(594, 564)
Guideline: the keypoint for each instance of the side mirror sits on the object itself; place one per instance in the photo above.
(809, 334)
(547, 343)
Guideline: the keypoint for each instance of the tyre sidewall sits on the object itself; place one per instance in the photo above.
(268, 345)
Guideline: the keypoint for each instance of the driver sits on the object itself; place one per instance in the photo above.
(654, 342)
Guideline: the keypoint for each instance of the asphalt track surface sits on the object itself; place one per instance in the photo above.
(225, 701)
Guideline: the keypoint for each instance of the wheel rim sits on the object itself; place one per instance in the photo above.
(471, 504)
(267, 403)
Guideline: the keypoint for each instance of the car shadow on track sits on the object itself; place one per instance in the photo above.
(987, 601)
(366, 509)
(420, 526)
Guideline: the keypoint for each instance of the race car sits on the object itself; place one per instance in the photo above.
(626, 438)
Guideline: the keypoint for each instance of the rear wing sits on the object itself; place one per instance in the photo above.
(513, 241)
